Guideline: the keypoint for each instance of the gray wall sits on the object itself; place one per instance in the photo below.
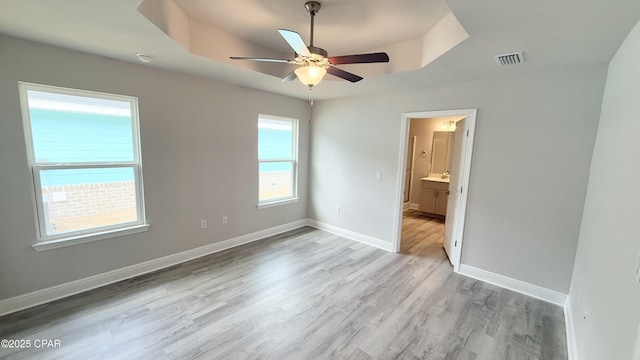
(534, 140)
(603, 287)
(199, 151)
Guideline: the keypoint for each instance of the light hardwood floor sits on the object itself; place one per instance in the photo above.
(306, 294)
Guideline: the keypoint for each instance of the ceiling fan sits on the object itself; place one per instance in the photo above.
(314, 62)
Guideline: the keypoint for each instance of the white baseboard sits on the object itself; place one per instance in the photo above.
(522, 287)
(39, 297)
(365, 239)
(410, 206)
(572, 345)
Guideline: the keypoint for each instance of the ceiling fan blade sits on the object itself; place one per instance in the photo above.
(289, 77)
(295, 41)
(343, 74)
(378, 57)
(261, 59)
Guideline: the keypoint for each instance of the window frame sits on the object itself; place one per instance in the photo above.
(293, 160)
(46, 242)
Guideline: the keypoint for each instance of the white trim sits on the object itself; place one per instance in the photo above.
(278, 203)
(401, 181)
(365, 239)
(39, 297)
(410, 206)
(465, 164)
(414, 206)
(572, 346)
(519, 286)
(95, 236)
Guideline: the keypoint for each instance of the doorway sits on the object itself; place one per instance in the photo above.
(457, 207)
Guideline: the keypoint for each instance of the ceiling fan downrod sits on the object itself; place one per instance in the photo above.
(312, 9)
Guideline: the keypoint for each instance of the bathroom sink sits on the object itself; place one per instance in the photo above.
(436, 178)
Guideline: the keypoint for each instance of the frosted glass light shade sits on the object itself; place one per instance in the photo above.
(310, 75)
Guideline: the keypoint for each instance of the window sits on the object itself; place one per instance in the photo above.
(277, 160)
(84, 153)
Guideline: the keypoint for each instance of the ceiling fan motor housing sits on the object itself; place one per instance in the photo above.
(318, 51)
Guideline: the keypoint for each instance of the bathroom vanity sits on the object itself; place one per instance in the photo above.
(434, 193)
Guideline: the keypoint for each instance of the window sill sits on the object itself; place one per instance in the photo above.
(81, 239)
(277, 203)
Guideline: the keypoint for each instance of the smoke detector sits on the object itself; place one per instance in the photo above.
(510, 59)
(145, 58)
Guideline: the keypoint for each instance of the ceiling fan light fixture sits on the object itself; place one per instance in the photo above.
(448, 125)
(310, 75)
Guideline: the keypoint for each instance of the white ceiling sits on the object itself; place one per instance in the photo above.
(552, 33)
(342, 27)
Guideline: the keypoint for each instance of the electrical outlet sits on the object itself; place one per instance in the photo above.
(337, 210)
(379, 175)
(203, 224)
(224, 219)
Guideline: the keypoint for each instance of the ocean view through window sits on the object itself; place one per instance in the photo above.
(83, 149)
(277, 159)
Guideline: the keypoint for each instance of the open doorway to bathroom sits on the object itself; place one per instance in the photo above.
(429, 155)
(436, 154)
(426, 189)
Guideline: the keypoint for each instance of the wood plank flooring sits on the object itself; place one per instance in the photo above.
(305, 294)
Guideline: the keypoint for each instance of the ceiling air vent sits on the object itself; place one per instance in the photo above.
(510, 59)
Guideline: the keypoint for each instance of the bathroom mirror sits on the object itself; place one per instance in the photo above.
(441, 152)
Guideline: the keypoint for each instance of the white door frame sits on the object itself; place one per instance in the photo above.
(465, 165)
